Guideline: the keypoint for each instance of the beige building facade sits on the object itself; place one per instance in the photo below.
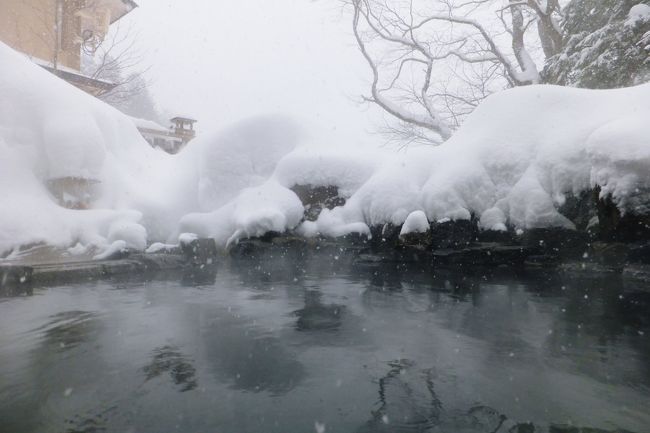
(53, 33)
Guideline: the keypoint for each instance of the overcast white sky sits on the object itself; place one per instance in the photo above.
(220, 61)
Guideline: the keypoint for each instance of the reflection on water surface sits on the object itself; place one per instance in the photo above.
(304, 344)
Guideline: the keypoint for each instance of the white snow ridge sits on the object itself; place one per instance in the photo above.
(512, 163)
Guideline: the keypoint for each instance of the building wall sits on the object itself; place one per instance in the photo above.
(29, 26)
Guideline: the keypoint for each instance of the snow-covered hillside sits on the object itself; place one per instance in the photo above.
(511, 163)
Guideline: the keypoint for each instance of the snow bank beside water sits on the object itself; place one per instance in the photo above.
(511, 164)
(515, 160)
(50, 130)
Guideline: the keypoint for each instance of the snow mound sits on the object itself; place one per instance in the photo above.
(50, 130)
(416, 222)
(347, 169)
(254, 212)
(241, 156)
(638, 13)
(513, 162)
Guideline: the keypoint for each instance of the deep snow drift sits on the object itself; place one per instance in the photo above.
(512, 163)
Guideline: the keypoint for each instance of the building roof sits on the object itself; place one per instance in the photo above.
(119, 8)
(148, 124)
(183, 119)
(80, 79)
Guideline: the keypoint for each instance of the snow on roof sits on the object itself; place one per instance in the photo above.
(183, 119)
(72, 75)
(119, 8)
(147, 124)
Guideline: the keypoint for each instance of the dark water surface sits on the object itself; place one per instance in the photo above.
(302, 345)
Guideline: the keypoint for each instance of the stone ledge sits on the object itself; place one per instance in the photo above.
(19, 275)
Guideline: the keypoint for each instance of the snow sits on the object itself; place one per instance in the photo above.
(514, 161)
(254, 212)
(622, 168)
(133, 234)
(241, 156)
(332, 223)
(493, 219)
(157, 247)
(187, 238)
(77, 250)
(346, 169)
(114, 248)
(416, 222)
(148, 124)
(638, 13)
(51, 130)
(511, 164)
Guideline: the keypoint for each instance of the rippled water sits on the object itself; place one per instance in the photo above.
(304, 345)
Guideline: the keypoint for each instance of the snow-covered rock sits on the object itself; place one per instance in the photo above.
(416, 222)
(346, 169)
(514, 161)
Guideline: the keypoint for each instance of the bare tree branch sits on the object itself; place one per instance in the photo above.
(433, 61)
(431, 122)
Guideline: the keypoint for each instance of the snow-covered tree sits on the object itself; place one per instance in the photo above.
(434, 61)
(607, 45)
